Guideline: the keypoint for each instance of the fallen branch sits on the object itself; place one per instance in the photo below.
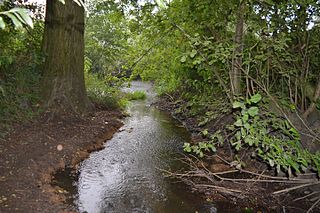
(294, 188)
(306, 196)
(314, 205)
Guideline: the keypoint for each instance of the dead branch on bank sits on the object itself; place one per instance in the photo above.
(200, 177)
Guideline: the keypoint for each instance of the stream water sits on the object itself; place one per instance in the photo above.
(124, 177)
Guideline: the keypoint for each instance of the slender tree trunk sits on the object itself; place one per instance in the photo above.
(235, 75)
(313, 106)
(63, 83)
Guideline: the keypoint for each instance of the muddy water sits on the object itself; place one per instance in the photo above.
(124, 177)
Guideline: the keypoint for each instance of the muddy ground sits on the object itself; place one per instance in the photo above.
(35, 150)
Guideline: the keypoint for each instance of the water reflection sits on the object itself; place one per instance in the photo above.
(124, 176)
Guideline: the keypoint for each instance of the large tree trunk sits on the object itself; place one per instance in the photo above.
(63, 44)
(235, 74)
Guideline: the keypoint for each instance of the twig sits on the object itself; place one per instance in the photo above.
(220, 188)
(294, 188)
(306, 196)
(314, 205)
(252, 173)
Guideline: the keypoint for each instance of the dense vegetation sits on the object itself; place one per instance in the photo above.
(212, 57)
(211, 54)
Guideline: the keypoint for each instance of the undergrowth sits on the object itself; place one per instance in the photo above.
(20, 61)
(272, 138)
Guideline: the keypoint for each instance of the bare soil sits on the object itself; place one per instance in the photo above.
(34, 151)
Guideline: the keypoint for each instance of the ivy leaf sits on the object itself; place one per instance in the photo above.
(253, 111)
(256, 98)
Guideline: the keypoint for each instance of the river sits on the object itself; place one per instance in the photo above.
(125, 176)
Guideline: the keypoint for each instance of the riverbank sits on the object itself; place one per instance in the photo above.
(251, 186)
(34, 151)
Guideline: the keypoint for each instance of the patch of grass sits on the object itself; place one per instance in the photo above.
(105, 91)
(136, 95)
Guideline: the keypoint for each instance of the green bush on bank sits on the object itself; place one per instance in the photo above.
(20, 73)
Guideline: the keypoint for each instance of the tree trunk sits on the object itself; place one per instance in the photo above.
(235, 75)
(313, 105)
(63, 83)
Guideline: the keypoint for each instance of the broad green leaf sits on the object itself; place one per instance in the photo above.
(256, 98)
(249, 141)
(205, 132)
(201, 154)
(183, 59)
(237, 104)
(161, 4)
(186, 147)
(23, 16)
(213, 148)
(253, 111)
(238, 123)
(2, 24)
(245, 118)
(247, 126)
(193, 53)
(14, 20)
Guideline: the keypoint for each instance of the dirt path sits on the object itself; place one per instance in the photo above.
(34, 151)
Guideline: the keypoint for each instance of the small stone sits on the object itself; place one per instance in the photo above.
(59, 147)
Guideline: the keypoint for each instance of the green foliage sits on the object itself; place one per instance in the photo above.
(275, 141)
(136, 95)
(206, 146)
(200, 148)
(18, 16)
(20, 61)
(106, 38)
(104, 90)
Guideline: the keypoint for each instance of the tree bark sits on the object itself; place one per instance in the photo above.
(63, 83)
(313, 105)
(235, 74)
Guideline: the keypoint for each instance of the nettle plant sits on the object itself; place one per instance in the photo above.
(274, 140)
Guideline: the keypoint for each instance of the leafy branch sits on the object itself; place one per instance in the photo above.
(18, 16)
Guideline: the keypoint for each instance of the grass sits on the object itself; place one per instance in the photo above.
(136, 95)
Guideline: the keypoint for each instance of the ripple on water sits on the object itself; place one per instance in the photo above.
(124, 177)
